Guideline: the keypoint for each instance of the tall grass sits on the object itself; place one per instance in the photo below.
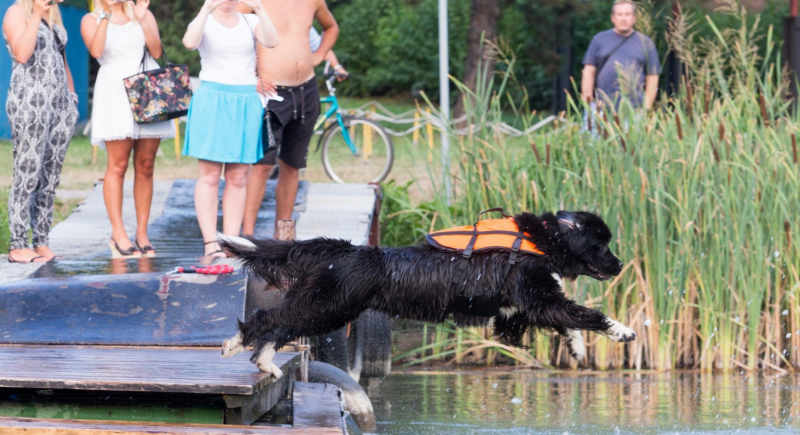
(702, 197)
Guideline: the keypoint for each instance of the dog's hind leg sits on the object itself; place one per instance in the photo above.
(233, 345)
(269, 343)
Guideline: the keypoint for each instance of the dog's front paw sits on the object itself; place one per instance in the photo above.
(577, 347)
(619, 332)
(232, 346)
(265, 364)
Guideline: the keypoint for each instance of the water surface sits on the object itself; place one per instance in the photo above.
(585, 403)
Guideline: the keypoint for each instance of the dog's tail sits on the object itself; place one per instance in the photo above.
(266, 258)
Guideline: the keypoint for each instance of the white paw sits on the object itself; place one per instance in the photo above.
(577, 347)
(619, 332)
(265, 364)
(232, 346)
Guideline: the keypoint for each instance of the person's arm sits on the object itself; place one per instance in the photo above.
(70, 82)
(265, 31)
(650, 90)
(587, 83)
(152, 39)
(651, 79)
(194, 33)
(341, 73)
(94, 34)
(589, 72)
(265, 85)
(330, 31)
(22, 32)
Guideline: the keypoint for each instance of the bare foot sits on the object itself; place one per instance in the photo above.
(45, 252)
(25, 256)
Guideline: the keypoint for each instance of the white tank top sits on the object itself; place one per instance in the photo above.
(228, 56)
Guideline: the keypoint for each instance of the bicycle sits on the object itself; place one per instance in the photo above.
(354, 149)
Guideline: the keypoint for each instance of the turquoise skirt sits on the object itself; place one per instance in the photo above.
(224, 124)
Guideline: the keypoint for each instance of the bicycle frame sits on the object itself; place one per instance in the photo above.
(334, 109)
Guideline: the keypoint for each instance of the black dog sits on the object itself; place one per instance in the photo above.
(330, 282)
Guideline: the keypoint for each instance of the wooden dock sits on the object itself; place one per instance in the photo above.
(179, 390)
(90, 345)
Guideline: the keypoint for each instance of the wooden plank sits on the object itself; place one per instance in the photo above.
(246, 410)
(166, 370)
(317, 405)
(31, 426)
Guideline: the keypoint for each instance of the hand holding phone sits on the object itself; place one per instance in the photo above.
(42, 7)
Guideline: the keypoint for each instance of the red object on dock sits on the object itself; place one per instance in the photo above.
(217, 269)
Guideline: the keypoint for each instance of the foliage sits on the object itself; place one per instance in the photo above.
(391, 47)
(402, 224)
(701, 197)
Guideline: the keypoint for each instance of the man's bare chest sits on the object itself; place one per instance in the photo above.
(291, 17)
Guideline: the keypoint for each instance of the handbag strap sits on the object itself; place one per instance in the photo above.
(604, 59)
(163, 54)
(61, 47)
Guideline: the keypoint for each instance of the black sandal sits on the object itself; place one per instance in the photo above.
(218, 251)
(117, 252)
(147, 251)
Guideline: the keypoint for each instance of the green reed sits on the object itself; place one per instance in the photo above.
(701, 195)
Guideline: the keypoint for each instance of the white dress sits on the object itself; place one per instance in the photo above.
(112, 116)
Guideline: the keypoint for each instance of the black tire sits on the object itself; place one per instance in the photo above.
(347, 354)
(376, 329)
(356, 401)
(333, 167)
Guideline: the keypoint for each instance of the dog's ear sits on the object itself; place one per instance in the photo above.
(567, 221)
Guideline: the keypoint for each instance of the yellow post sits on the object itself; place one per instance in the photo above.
(415, 134)
(177, 139)
(429, 130)
(368, 136)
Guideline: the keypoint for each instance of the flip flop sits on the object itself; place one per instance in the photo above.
(32, 260)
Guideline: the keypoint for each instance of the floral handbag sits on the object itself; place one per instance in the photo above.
(161, 94)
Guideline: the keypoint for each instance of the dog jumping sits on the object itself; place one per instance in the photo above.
(331, 282)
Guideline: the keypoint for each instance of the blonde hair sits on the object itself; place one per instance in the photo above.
(97, 6)
(55, 12)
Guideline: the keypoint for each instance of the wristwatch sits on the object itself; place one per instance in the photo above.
(105, 16)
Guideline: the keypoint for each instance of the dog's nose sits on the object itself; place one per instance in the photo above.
(619, 264)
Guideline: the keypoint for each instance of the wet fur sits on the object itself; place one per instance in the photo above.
(330, 282)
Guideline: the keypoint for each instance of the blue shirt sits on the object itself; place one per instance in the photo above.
(623, 73)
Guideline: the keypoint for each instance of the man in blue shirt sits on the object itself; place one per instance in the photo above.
(621, 63)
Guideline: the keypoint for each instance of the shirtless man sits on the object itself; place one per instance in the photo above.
(288, 71)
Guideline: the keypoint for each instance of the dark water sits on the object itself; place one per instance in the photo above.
(586, 403)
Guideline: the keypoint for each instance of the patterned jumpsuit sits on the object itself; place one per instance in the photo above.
(42, 115)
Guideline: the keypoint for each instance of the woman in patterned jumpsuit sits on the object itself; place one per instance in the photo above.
(42, 110)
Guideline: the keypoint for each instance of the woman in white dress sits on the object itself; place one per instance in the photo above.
(116, 34)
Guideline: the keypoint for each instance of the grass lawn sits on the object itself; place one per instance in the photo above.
(80, 174)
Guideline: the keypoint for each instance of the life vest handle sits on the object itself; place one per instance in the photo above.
(500, 209)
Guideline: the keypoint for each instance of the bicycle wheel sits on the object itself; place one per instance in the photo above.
(372, 160)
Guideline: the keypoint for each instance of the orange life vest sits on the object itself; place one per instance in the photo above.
(497, 234)
(486, 234)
